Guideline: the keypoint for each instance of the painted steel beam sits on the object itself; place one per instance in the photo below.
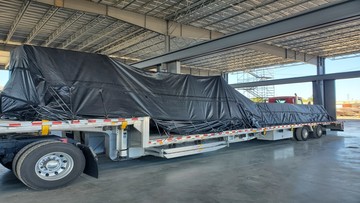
(285, 53)
(311, 20)
(18, 18)
(151, 23)
(332, 76)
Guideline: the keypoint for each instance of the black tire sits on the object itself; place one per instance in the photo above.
(21, 152)
(318, 131)
(35, 167)
(294, 135)
(302, 134)
(7, 165)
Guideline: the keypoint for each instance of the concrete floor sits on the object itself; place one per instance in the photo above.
(321, 170)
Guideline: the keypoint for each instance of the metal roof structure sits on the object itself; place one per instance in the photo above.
(134, 30)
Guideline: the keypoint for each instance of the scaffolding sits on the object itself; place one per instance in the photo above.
(258, 94)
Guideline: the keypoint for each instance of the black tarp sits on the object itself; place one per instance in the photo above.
(280, 114)
(57, 84)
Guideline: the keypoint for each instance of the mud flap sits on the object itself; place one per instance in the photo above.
(91, 167)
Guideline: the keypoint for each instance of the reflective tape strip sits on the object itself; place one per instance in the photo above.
(36, 123)
(14, 124)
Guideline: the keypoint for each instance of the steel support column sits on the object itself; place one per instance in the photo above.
(225, 76)
(174, 67)
(318, 85)
(164, 66)
(171, 67)
(330, 97)
(167, 44)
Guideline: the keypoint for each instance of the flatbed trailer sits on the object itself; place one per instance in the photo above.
(51, 154)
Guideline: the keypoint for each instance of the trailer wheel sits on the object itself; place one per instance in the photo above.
(21, 152)
(50, 165)
(294, 134)
(302, 133)
(318, 131)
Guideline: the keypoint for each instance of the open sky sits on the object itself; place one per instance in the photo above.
(345, 89)
(4, 77)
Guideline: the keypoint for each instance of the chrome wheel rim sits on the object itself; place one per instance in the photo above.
(319, 132)
(54, 166)
(306, 134)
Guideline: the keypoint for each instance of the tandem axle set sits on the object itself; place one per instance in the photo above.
(51, 154)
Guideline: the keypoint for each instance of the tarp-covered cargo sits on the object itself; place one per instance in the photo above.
(280, 114)
(56, 84)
